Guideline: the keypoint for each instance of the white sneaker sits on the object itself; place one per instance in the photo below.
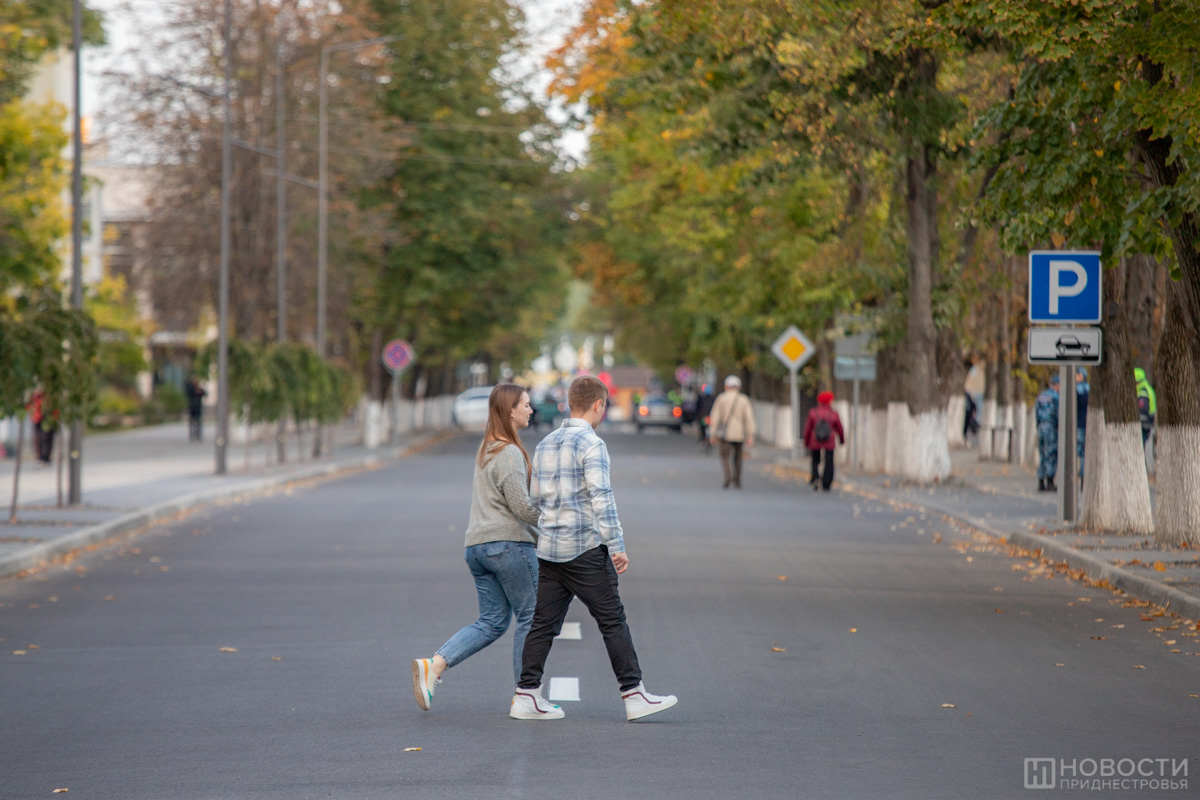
(529, 704)
(640, 703)
(424, 682)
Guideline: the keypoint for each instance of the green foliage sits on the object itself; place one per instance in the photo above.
(271, 383)
(32, 182)
(122, 334)
(45, 345)
(475, 213)
(31, 28)
(170, 399)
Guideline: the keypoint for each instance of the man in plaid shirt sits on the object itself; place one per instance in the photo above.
(581, 550)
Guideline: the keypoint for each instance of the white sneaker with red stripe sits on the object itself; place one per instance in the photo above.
(529, 704)
(640, 703)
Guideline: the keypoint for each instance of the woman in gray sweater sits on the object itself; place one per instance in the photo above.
(501, 544)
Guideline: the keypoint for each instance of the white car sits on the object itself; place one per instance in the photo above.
(470, 409)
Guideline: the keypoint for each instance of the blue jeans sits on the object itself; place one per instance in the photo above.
(506, 578)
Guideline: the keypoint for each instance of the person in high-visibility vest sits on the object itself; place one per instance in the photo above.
(1147, 403)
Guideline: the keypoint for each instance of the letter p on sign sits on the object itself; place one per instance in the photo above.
(1058, 290)
(1064, 287)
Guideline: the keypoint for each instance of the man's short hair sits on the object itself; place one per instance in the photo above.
(733, 380)
(584, 391)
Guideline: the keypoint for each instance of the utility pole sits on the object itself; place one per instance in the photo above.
(280, 219)
(223, 293)
(75, 444)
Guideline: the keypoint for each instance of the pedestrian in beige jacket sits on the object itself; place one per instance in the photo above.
(733, 428)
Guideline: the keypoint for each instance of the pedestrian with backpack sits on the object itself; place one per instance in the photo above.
(822, 432)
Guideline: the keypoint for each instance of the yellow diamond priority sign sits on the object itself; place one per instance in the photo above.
(793, 348)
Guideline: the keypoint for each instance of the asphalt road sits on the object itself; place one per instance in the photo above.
(328, 592)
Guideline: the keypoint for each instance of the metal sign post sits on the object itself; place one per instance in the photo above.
(397, 356)
(1066, 287)
(794, 349)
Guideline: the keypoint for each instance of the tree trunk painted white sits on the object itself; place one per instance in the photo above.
(987, 421)
(896, 452)
(1018, 438)
(841, 453)
(1116, 493)
(1001, 436)
(1177, 510)
(956, 415)
(375, 427)
(875, 454)
(929, 459)
(1031, 451)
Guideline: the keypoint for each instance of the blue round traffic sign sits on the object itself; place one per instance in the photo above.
(397, 355)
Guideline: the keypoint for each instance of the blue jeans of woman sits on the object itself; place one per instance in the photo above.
(506, 579)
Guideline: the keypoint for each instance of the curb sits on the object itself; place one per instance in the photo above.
(1142, 587)
(38, 555)
(1097, 568)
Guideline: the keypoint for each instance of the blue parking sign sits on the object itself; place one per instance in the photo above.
(1064, 286)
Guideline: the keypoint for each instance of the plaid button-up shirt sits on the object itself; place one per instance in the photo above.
(571, 486)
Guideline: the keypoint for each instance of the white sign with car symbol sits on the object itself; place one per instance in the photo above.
(1065, 346)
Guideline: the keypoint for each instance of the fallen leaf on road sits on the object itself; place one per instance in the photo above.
(52, 599)
(1176, 651)
(854, 630)
(1169, 641)
(1060, 665)
(998, 589)
(1101, 619)
(228, 649)
(1138, 666)
(1100, 638)
(949, 705)
(999, 610)
(412, 749)
(1122, 625)
(109, 597)
(276, 658)
(1160, 566)
(19, 653)
(781, 577)
(60, 791)
(937, 538)
(1194, 695)
(775, 648)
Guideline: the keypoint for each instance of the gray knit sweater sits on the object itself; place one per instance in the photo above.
(501, 510)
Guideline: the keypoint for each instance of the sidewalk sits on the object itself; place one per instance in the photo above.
(1002, 500)
(136, 478)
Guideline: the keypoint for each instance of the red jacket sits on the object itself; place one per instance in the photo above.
(835, 425)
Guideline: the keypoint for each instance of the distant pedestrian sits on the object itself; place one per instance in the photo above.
(822, 432)
(581, 550)
(1046, 413)
(500, 544)
(1082, 393)
(195, 400)
(44, 427)
(732, 429)
(1147, 403)
(970, 417)
(704, 406)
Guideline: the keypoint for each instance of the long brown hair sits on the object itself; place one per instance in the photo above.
(500, 430)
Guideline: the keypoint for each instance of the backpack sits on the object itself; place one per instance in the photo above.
(822, 431)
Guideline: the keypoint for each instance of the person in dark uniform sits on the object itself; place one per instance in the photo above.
(1046, 413)
(195, 399)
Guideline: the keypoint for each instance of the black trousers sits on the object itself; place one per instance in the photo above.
(825, 478)
(593, 579)
(195, 433)
(731, 462)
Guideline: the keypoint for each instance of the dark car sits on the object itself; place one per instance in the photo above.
(1072, 344)
(658, 412)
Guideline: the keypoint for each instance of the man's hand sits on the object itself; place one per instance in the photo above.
(749, 441)
(620, 561)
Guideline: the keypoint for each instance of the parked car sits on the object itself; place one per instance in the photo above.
(658, 412)
(470, 409)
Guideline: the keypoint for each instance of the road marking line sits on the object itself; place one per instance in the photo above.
(564, 689)
(571, 630)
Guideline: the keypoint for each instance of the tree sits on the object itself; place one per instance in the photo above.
(1103, 123)
(32, 182)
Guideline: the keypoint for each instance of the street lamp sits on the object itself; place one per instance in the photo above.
(323, 179)
(223, 294)
(75, 444)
